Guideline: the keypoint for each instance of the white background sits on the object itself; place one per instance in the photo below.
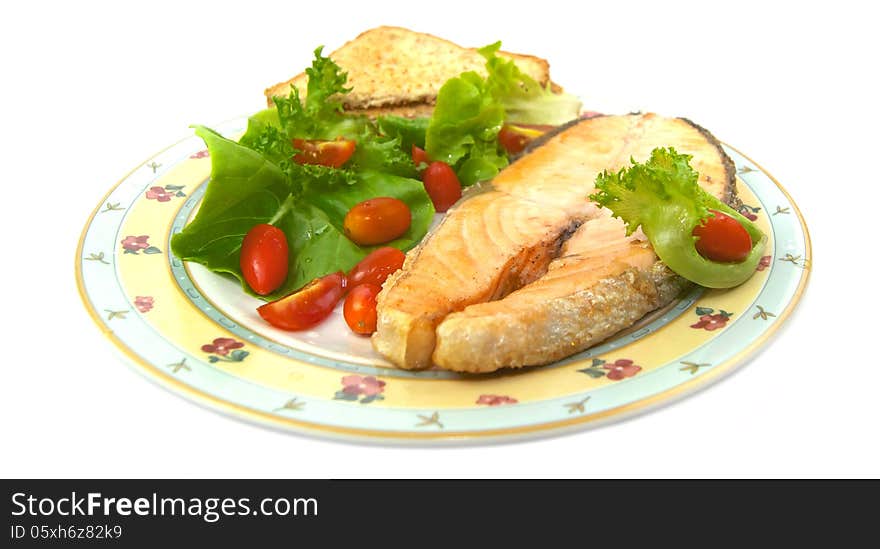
(92, 89)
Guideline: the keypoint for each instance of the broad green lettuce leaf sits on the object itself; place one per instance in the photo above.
(410, 131)
(465, 124)
(347, 126)
(338, 201)
(314, 225)
(316, 247)
(245, 190)
(482, 164)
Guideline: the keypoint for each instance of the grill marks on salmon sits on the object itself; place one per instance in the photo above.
(533, 271)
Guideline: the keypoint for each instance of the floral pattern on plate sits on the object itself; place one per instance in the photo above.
(136, 244)
(363, 389)
(621, 368)
(710, 320)
(496, 400)
(225, 349)
(166, 193)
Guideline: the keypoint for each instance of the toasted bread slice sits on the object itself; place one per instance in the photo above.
(392, 70)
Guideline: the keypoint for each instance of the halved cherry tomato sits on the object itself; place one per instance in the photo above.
(377, 221)
(515, 138)
(326, 153)
(419, 156)
(723, 239)
(375, 268)
(442, 185)
(309, 306)
(359, 309)
(263, 258)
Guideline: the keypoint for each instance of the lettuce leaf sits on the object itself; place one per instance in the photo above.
(464, 129)
(384, 154)
(316, 239)
(524, 100)
(663, 197)
(410, 131)
(245, 190)
(316, 247)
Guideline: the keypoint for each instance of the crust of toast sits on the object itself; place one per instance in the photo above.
(395, 68)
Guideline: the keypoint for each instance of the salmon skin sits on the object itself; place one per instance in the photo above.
(532, 271)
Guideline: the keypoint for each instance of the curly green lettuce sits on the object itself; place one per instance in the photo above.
(663, 197)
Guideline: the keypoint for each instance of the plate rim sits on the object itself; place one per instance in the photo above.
(335, 432)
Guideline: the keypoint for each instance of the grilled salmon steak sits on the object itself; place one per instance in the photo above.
(531, 270)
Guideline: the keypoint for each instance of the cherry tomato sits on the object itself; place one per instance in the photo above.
(377, 221)
(375, 268)
(306, 307)
(442, 185)
(326, 153)
(723, 239)
(515, 138)
(263, 258)
(360, 308)
(419, 156)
